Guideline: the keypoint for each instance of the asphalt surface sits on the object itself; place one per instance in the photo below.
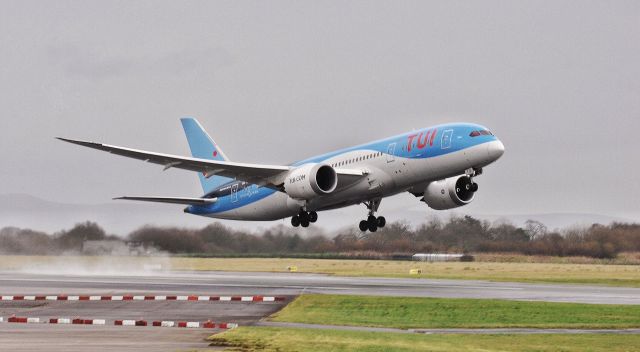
(297, 283)
(56, 337)
(82, 338)
(227, 312)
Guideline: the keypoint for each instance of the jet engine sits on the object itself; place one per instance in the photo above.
(450, 193)
(310, 180)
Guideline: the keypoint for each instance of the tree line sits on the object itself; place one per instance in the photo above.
(457, 234)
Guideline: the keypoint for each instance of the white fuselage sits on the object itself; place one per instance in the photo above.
(386, 175)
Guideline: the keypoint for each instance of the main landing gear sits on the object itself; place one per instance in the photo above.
(304, 218)
(372, 223)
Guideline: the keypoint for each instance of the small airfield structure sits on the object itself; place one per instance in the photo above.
(441, 257)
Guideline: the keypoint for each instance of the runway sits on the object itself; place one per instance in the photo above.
(27, 337)
(298, 283)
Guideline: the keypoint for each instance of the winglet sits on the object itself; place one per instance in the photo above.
(88, 144)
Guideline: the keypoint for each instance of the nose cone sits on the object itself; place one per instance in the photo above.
(495, 149)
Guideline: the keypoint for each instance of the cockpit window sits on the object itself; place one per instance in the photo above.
(480, 133)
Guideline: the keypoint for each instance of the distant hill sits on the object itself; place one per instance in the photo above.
(121, 217)
(118, 217)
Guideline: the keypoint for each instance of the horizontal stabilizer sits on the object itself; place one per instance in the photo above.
(173, 200)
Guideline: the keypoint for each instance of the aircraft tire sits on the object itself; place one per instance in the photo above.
(313, 216)
(295, 221)
(364, 225)
(381, 221)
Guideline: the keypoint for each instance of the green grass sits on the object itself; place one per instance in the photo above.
(309, 340)
(410, 312)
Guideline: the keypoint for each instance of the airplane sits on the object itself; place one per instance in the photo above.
(438, 164)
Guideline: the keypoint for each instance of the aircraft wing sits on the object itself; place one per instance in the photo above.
(271, 176)
(172, 200)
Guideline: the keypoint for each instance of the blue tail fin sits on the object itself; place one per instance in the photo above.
(203, 147)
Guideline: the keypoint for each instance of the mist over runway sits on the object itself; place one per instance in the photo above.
(236, 283)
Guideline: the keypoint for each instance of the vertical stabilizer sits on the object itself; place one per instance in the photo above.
(203, 147)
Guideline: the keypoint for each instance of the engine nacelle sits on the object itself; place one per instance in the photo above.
(450, 193)
(311, 180)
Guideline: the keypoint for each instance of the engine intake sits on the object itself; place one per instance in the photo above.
(311, 180)
(450, 193)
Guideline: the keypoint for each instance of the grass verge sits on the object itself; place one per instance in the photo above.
(600, 274)
(410, 312)
(290, 340)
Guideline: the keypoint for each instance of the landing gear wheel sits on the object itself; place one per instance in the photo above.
(372, 223)
(304, 222)
(364, 225)
(295, 221)
(313, 216)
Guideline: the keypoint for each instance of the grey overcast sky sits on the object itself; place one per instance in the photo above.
(274, 81)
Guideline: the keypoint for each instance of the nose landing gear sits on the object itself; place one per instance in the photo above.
(304, 218)
(471, 173)
(372, 223)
